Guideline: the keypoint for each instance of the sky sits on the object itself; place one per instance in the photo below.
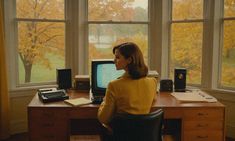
(140, 3)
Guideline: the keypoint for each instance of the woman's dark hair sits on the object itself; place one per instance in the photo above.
(137, 67)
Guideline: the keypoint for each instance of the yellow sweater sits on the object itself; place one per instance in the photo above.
(126, 95)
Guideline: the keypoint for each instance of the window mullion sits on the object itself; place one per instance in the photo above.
(211, 44)
(187, 21)
(82, 37)
(159, 36)
(11, 39)
(117, 22)
(230, 18)
(39, 20)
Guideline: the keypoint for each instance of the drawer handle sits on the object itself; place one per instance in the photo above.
(202, 114)
(48, 114)
(202, 137)
(48, 124)
(202, 125)
(49, 136)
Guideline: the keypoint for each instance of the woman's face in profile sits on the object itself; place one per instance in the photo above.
(120, 61)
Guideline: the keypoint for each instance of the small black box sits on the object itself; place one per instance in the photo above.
(180, 79)
(82, 83)
(166, 85)
(63, 78)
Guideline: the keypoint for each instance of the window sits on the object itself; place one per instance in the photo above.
(113, 22)
(228, 52)
(186, 38)
(40, 39)
(42, 35)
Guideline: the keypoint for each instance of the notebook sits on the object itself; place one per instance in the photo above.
(78, 101)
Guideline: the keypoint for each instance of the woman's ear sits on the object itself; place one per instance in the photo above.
(129, 60)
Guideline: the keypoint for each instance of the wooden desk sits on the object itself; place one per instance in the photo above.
(51, 122)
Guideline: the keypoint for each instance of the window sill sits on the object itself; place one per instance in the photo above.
(27, 90)
(222, 94)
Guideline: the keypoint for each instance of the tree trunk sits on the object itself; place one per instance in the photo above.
(28, 69)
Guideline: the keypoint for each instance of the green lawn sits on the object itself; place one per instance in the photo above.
(40, 73)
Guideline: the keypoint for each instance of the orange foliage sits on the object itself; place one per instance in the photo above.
(105, 10)
(186, 39)
(37, 39)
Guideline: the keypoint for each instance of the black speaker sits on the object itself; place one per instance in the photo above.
(63, 78)
(180, 79)
(166, 85)
(82, 83)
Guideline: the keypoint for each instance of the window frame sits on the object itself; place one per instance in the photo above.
(76, 41)
(11, 34)
(223, 19)
(110, 22)
(172, 21)
(17, 21)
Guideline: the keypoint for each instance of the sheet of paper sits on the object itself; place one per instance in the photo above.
(77, 101)
(194, 96)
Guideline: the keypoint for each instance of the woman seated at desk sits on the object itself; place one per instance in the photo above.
(133, 92)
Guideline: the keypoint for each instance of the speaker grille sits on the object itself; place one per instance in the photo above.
(63, 78)
(180, 79)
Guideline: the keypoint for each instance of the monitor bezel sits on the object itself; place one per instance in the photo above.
(94, 88)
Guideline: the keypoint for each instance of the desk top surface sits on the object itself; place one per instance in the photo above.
(164, 100)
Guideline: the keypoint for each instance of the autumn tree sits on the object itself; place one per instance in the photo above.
(116, 10)
(229, 36)
(36, 38)
(108, 10)
(113, 10)
(186, 39)
(228, 63)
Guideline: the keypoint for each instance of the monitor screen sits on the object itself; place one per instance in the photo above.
(102, 72)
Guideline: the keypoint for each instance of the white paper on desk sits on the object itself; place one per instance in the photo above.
(192, 97)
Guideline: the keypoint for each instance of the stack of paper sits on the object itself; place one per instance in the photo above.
(196, 96)
(77, 101)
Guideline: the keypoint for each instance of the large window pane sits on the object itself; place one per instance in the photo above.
(186, 43)
(187, 9)
(102, 37)
(40, 9)
(41, 50)
(228, 56)
(118, 10)
(229, 8)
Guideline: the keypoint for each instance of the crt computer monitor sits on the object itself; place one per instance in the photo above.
(102, 72)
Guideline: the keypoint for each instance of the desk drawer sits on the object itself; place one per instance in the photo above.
(203, 125)
(48, 114)
(203, 136)
(49, 134)
(48, 137)
(51, 125)
(83, 113)
(204, 114)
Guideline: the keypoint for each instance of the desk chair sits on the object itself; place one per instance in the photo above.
(127, 127)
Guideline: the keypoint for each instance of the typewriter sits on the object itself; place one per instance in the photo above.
(51, 95)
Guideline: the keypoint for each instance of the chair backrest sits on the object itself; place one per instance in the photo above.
(128, 127)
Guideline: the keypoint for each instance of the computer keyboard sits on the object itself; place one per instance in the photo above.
(50, 96)
(54, 94)
(97, 100)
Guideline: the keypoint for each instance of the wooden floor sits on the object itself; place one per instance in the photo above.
(24, 137)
